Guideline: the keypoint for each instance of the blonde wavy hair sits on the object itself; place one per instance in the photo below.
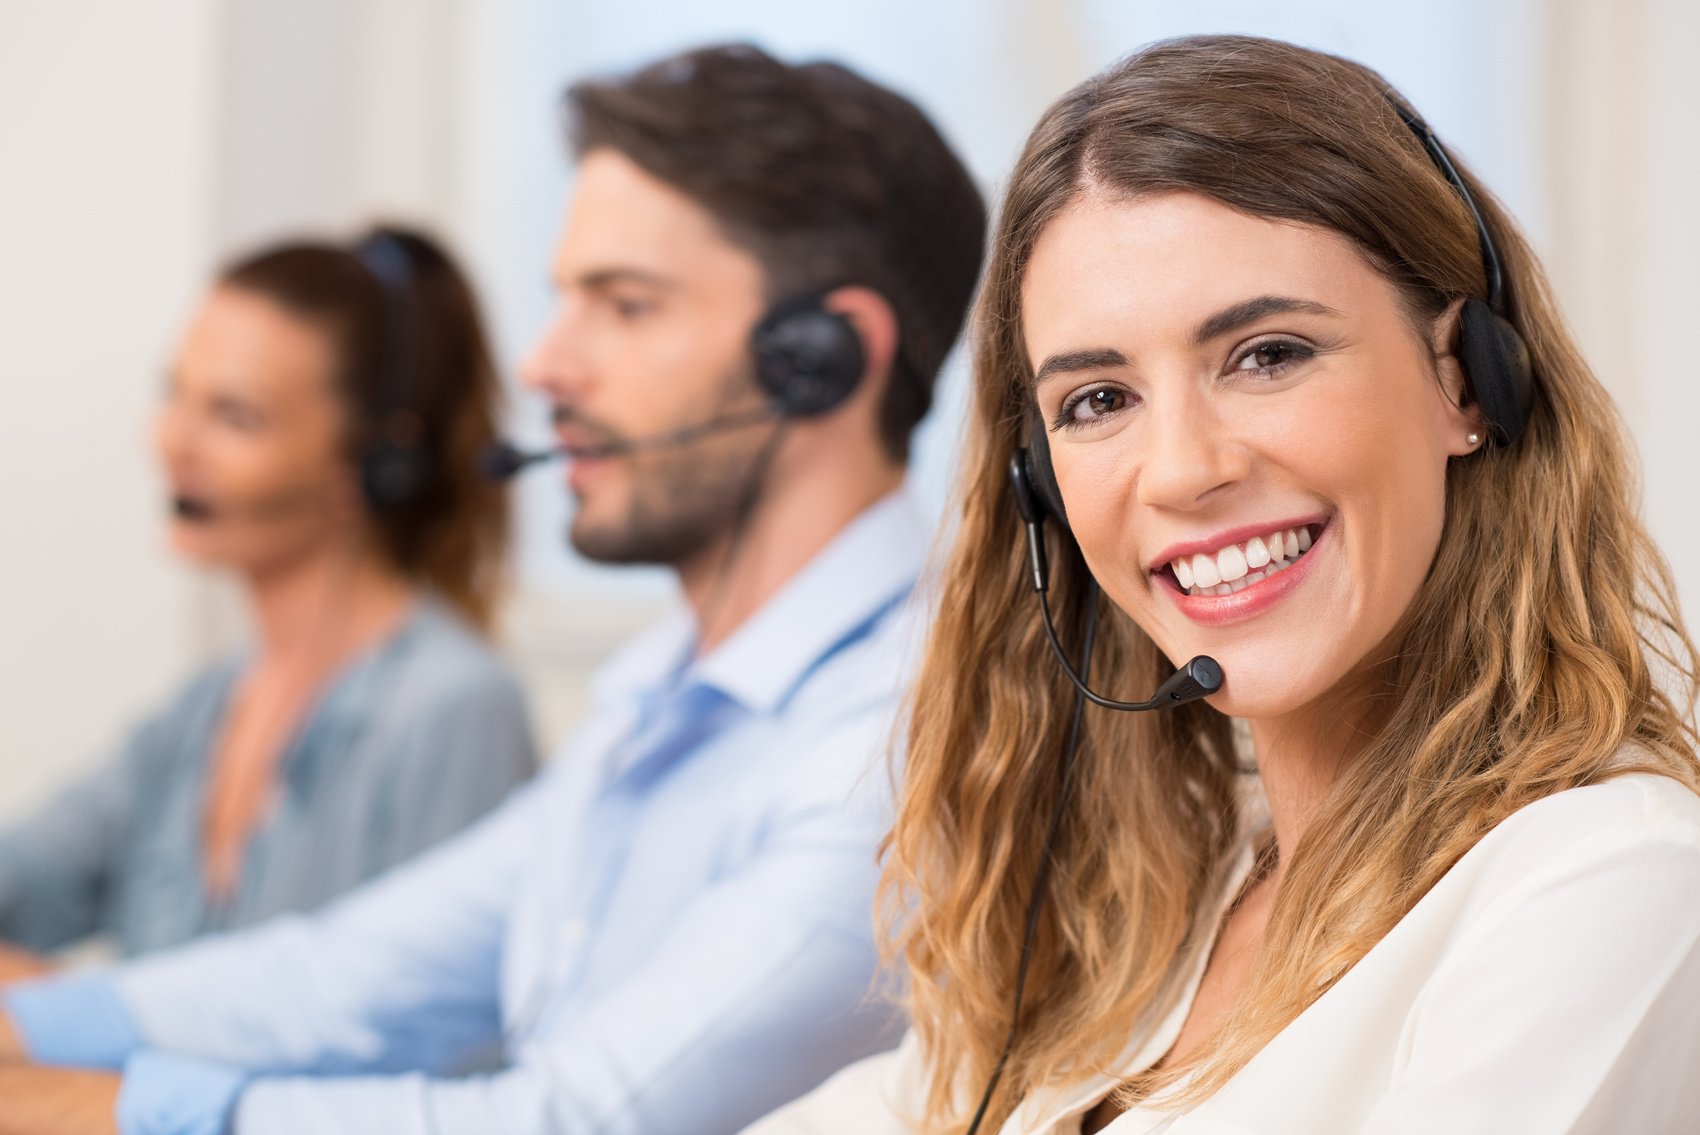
(1524, 667)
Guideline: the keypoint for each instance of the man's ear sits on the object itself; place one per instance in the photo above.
(875, 323)
(1463, 411)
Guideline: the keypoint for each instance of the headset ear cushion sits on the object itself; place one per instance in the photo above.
(392, 475)
(1040, 473)
(1496, 361)
(808, 360)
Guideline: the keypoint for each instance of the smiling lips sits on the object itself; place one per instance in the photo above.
(1236, 567)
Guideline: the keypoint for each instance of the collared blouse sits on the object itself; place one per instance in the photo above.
(1548, 983)
(409, 743)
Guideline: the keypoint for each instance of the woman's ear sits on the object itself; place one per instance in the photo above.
(1465, 426)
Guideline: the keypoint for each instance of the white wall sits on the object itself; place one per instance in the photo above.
(144, 142)
(1621, 88)
(105, 130)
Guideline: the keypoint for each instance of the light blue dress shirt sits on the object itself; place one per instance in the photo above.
(670, 931)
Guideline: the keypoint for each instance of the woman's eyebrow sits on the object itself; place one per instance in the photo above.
(1231, 319)
(1093, 358)
(1226, 321)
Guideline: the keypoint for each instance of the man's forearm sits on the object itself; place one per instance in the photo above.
(57, 1101)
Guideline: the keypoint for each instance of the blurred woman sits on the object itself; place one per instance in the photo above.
(319, 435)
(1260, 363)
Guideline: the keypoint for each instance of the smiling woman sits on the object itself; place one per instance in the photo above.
(1236, 431)
(1268, 347)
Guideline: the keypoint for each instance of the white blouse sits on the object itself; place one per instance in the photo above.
(1549, 982)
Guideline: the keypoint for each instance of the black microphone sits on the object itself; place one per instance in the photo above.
(1199, 678)
(501, 460)
(196, 509)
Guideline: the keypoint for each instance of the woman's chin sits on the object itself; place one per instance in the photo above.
(1255, 688)
(200, 550)
(187, 542)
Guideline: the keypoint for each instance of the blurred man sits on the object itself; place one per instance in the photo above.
(761, 272)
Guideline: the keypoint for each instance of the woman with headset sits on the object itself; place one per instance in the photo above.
(1415, 845)
(319, 435)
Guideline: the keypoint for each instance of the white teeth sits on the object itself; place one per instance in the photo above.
(1237, 566)
(1204, 571)
(1231, 562)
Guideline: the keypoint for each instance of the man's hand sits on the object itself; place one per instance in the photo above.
(57, 1101)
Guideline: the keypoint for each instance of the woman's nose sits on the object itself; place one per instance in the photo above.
(1188, 454)
(171, 434)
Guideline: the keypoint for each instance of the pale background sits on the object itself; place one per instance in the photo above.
(142, 143)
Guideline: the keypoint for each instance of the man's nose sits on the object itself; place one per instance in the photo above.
(554, 367)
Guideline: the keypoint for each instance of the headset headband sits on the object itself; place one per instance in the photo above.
(1490, 251)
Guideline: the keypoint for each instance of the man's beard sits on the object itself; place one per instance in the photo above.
(682, 504)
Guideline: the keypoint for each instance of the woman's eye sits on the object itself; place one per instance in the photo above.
(1097, 405)
(239, 416)
(1083, 408)
(1266, 358)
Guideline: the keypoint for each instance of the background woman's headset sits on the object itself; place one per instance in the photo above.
(393, 463)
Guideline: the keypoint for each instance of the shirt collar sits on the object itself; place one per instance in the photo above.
(867, 567)
(647, 660)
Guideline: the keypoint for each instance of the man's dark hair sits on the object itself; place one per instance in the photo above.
(826, 178)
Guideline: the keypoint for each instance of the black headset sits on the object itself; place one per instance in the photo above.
(808, 360)
(1492, 353)
(1494, 356)
(394, 466)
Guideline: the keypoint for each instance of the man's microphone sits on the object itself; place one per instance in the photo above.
(501, 460)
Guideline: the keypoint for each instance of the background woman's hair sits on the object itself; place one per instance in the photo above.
(1524, 666)
(452, 535)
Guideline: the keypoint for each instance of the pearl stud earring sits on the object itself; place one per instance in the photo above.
(1473, 439)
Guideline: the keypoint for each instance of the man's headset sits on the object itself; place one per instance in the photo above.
(808, 362)
(1496, 364)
